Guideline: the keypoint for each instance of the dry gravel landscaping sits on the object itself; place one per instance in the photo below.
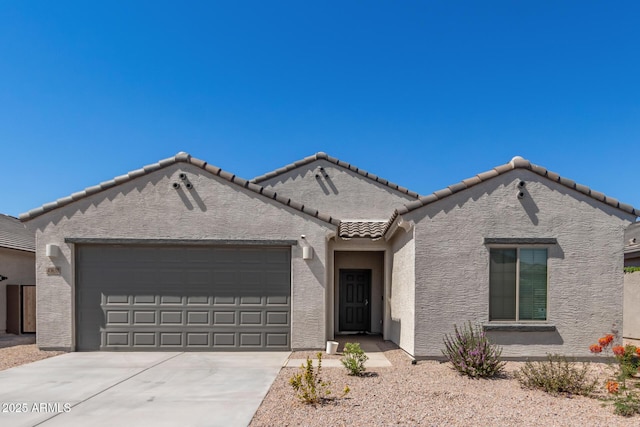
(16, 350)
(433, 394)
(429, 393)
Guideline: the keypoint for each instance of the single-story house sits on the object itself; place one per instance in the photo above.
(181, 255)
(17, 267)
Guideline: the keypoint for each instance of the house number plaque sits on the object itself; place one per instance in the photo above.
(53, 271)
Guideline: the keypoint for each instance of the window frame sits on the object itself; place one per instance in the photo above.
(518, 247)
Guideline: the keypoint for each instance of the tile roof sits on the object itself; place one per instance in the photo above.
(372, 229)
(324, 156)
(632, 238)
(515, 163)
(14, 235)
(185, 158)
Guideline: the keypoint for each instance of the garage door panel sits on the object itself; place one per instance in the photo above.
(153, 298)
(200, 339)
(144, 339)
(224, 300)
(197, 318)
(117, 317)
(115, 299)
(224, 318)
(144, 318)
(198, 300)
(277, 318)
(170, 300)
(276, 340)
(143, 299)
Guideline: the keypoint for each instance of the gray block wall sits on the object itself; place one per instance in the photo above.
(149, 208)
(402, 295)
(585, 277)
(631, 328)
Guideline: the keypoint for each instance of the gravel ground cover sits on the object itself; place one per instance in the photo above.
(432, 394)
(16, 350)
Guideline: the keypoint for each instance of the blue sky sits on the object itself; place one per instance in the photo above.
(422, 93)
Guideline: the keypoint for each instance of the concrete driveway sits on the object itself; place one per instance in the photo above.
(138, 389)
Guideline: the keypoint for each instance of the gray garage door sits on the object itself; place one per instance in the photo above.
(183, 298)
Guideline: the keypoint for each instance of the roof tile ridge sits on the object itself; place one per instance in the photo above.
(324, 156)
(516, 163)
(180, 157)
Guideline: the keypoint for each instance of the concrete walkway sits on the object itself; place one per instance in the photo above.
(369, 344)
(138, 389)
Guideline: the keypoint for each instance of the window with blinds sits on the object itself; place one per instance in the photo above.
(518, 284)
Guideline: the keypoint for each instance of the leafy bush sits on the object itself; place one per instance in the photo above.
(471, 353)
(627, 405)
(308, 385)
(557, 375)
(353, 359)
(629, 359)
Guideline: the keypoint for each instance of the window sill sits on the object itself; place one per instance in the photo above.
(519, 327)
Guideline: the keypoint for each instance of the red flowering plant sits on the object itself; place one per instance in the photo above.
(612, 387)
(627, 358)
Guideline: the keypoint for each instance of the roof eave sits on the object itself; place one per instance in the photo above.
(185, 158)
(519, 163)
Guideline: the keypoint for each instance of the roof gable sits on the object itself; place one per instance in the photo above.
(515, 163)
(335, 161)
(185, 158)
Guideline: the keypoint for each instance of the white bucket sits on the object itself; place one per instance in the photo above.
(332, 347)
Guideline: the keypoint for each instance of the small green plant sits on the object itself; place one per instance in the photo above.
(353, 359)
(557, 375)
(628, 357)
(471, 353)
(631, 269)
(626, 404)
(308, 385)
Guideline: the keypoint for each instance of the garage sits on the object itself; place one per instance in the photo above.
(183, 298)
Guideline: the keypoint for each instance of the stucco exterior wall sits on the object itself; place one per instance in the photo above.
(402, 295)
(631, 326)
(344, 194)
(585, 277)
(20, 269)
(373, 261)
(149, 208)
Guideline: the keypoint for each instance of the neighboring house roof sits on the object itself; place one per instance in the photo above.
(14, 235)
(185, 158)
(515, 163)
(324, 156)
(632, 239)
(371, 229)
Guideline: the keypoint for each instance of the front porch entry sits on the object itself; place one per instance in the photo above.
(358, 292)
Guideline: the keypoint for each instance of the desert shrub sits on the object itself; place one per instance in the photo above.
(471, 353)
(308, 385)
(557, 375)
(626, 404)
(353, 359)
